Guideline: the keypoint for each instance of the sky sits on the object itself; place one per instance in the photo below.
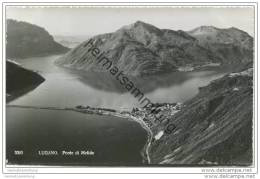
(88, 21)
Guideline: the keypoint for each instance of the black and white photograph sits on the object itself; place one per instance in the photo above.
(129, 86)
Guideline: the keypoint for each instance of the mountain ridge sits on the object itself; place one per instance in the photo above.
(143, 49)
(24, 39)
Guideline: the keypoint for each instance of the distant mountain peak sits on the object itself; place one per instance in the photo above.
(208, 27)
(237, 30)
(141, 26)
(209, 36)
(27, 40)
(204, 30)
(139, 22)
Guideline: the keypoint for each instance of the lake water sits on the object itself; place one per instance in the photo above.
(114, 141)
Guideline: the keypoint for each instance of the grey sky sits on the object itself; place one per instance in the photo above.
(96, 20)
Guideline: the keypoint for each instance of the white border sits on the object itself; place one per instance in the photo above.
(187, 170)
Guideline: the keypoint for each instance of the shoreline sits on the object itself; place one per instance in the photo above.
(127, 115)
(145, 150)
(11, 96)
(136, 115)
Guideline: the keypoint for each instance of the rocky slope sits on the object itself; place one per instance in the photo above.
(27, 40)
(142, 49)
(213, 128)
(20, 80)
(231, 45)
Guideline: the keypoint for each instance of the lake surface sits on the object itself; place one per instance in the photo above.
(114, 141)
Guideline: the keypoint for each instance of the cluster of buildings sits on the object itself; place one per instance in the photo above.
(154, 113)
(91, 110)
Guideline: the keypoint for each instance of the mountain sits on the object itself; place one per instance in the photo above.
(70, 41)
(20, 80)
(27, 40)
(143, 49)
(232, 44)
(215, 127)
